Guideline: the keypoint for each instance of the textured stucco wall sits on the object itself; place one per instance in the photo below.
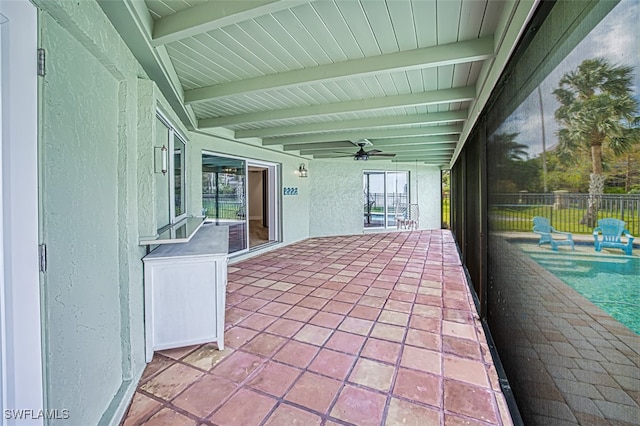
(92, 290)
(145, 178)
(337, 195)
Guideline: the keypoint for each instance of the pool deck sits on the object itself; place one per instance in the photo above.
(575, 363)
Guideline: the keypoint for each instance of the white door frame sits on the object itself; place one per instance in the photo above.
(21, 338)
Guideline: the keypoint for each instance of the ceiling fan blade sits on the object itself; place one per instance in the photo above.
(374, 152)
(341, 152)
(381, 155)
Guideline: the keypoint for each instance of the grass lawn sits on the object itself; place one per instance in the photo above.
(519, 219)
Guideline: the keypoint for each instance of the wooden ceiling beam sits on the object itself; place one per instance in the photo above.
(433, 97)
(427, 57)
(213, 15)
(364, 134)
(399, 150)
(366, 123)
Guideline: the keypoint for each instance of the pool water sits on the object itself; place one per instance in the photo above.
(610, 282)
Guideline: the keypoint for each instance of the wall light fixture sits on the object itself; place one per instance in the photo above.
(302, 171)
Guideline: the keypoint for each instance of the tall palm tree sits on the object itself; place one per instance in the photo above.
(597, 110)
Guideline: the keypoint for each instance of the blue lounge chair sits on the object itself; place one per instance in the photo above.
(612, 231)
(542, 227)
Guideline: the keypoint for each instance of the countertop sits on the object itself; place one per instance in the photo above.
(207, 240)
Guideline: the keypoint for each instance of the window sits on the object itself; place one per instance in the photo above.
(170, 174)
(386, 194)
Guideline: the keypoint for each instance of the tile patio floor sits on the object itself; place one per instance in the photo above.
(375, 329)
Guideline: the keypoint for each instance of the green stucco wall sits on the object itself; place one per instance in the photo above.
(92, 290)
(337, 195)
(81, 229)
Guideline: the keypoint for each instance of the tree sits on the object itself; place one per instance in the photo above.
(625, 169)
(505, 156)
(597, 109)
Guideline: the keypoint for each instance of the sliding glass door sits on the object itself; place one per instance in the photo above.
(386, 195)
(243, 195)
(224, 196)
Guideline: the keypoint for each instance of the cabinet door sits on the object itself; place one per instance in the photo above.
(184, 302)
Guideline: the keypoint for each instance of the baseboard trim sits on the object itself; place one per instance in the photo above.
(120, 403)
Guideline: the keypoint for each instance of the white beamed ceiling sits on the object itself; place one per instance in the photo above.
(289, 72)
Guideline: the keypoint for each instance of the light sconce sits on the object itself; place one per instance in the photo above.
(160, 160)
(302, 171)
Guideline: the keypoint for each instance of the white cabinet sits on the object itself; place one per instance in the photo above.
(184, 290)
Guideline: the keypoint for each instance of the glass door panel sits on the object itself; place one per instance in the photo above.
(224, 196)
(373, 188)
(397, 196)
(386, 195)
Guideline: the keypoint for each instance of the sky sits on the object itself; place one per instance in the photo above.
(616, 38)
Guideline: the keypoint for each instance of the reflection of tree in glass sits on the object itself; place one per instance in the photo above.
(597, 110)
(504, 153)
(505, 149)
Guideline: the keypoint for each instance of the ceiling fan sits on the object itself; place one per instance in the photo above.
(364, 155)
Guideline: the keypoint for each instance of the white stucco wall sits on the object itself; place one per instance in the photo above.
(337, 194)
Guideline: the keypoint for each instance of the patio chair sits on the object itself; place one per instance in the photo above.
(612, 231)
(409, 217)
(542, 227)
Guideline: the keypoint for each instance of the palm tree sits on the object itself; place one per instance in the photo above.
(597, 110)
(505, 149)
(505, 153)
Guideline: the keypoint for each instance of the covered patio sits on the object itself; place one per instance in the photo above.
(367, 329)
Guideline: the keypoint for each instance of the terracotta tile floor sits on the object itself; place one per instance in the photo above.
(374, 329)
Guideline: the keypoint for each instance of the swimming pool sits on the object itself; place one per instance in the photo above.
(610, 282)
